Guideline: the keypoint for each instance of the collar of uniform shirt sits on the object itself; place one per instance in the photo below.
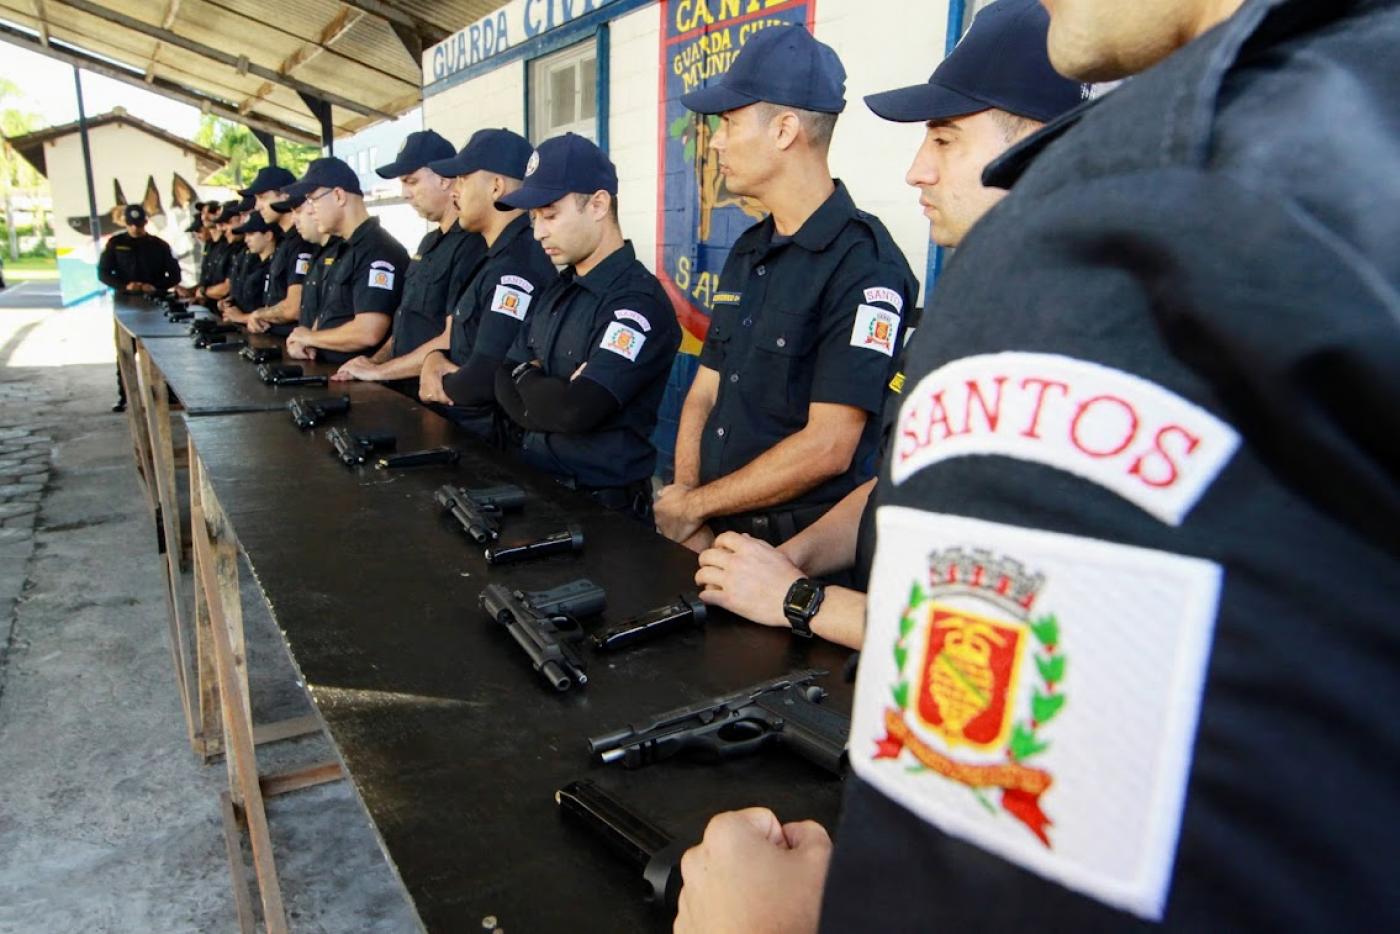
(817, 232)
(601, 277)
(511, 231)
(367, 226)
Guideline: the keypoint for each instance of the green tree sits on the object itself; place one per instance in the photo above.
(245, 154)
(16, 174)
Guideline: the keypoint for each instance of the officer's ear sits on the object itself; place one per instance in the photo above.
(786, 127)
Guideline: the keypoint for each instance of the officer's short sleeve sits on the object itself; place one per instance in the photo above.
(378, 283)
(506, 301)
(632, 342)
(860, 331)
(464, 265)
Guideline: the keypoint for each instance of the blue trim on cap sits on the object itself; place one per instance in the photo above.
(557, 38)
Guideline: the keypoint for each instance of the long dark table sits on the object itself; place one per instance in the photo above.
(220, 382)
(453, 744)
(142, 317)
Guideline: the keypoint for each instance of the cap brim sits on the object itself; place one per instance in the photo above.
(716, 99)
(452, 168)
(288, 206)
(528, 199)
(398, 169)
(922, 102)
(299, 189)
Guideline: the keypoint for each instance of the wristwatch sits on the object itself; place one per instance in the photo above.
(803, 600)
(522, 369)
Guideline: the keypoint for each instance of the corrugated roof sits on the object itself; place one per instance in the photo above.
(253, 59)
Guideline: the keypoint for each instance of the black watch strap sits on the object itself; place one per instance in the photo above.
(802, 603)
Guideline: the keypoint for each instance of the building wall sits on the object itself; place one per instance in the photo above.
(883, 44)
(128, 155)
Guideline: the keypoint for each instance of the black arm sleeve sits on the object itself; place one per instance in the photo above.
(473, 383)
(545, 403)
(107, 269)
(170, 276)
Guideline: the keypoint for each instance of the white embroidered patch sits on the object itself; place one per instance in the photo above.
(303, 263)
(623, 341)
(1148, 445)
(510, 302)
(875, 329)
(525, 285)
(627, 314)
(380, 277)
(1037, 695)
(888, 296)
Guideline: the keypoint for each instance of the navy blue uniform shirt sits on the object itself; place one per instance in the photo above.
(365, 277)
(1131, 655)
(145, 259)
(618, 320)
(436, 275)
(816, 317)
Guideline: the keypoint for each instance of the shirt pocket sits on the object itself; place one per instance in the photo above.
(778, 374)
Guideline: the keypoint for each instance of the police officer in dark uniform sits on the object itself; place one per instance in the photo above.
(582, 383)
(137, 261)
(214, 247)
(227, 265)
(437, 272)
(276, 311)
(459, 369)
(322, 246)
(250, 282)
(1168, 560)
(364, 275)
(996, 87)
(780, 422)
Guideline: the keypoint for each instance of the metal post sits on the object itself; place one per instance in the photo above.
(268, 142)
(957, 15)
(87, 159)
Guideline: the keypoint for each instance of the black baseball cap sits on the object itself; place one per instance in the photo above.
(564, 164)
(291, 204)
(254, 224)
(196, 224)
(269, 178)
(499, 151)
(327, 172)
(230, 210)
(134, 215)
(1001, 62)
(418, 149)
(781, 65)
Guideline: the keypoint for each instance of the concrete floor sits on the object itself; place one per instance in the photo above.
(107, 820)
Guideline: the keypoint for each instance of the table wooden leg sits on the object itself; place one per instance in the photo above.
(157, 412)
(135, 413)
(216, 562)
(210, 731)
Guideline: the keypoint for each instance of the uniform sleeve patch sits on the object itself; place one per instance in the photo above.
(1141, 441)
(510, 302)
(303, 263)
(627, 314)
(623, 341)
(888, 296)
(381, 275)
(875, 329)
(524, 285)
(1003, 699)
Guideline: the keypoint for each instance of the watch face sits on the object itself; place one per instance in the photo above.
(801, 595)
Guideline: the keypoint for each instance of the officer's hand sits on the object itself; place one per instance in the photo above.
(133, 287)
(700, 540)
(748, 577)
(355, 368)
(297, 348)
(257, 324)
(147, 288)
(430, 386)
(673, 517)
(752, 874)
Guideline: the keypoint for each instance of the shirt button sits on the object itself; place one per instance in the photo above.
(734, 377)
(782, 342)
(762, 270)
(748, 322)
(720, 432)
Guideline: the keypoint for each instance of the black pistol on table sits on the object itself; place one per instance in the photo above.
(261, 354)
(785, 711)
(353, 449)
(479, 511)
(425, 457)
(644, 846)
(685, 612)
(546, 625)
(568, 540)
(307, 413)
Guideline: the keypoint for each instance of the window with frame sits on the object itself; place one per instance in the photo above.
(564, 92)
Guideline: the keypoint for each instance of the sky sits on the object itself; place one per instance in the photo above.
(47, 86)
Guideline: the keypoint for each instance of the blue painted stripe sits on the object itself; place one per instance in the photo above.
(604, 82)
(543, 44)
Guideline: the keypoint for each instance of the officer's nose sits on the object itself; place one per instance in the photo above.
(923, 172)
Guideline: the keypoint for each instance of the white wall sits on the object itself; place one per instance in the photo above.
(493, 99)
(129, 155)
(632, 124)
